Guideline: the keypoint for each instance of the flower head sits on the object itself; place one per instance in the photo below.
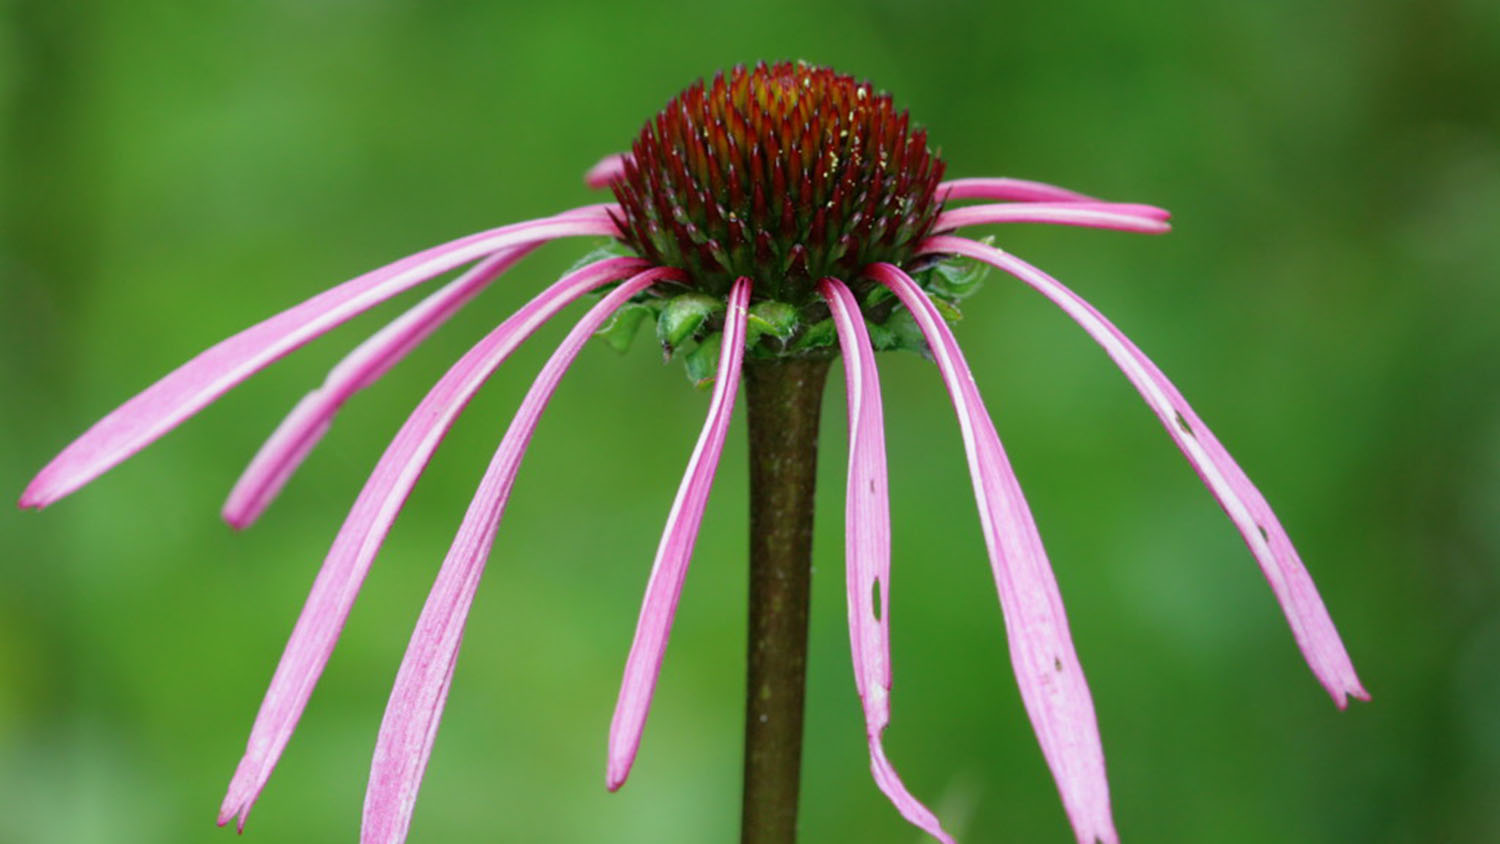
(782, 174)
(779, 211)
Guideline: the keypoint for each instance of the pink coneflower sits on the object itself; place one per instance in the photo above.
(775, 219)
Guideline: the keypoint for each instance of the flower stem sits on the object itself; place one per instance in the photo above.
(782, 399)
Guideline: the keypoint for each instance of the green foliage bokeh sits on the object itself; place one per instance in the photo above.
(172, 172)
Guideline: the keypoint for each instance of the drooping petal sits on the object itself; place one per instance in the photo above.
(609, 168)
(664, 586)
(301, 430)
(195, 384)
(369, 520)
(1008, 190)
(1052, 685)
(867, 549)
(310, 419)
(1247, 508)
(1145, 219)
(416, 703)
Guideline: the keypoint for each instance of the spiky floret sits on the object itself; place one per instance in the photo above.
(784, 173)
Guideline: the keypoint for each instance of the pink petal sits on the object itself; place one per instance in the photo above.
(301, 430)
(609, 168)
(195, 384)
(1247, 508)
(670, 568)
(1146, 219)
(867, 542)
(1008, 190)
(365, 528)
(421, 689)
(1052, 684)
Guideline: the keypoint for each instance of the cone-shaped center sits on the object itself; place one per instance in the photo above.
(784, 173)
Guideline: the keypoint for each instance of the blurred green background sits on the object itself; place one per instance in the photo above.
(175, 171)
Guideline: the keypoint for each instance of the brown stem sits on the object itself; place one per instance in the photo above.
(782, 398)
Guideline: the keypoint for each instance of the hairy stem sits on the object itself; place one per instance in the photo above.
(782, 399)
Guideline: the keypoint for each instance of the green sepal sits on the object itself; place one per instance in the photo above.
(958, 277)
(878, 293)
(681, 318)
(770, 318)
(819, 335)
(623, 325)
(899, 331)
(949, 311)
(905, 332)
(881, 338)
(702, 363)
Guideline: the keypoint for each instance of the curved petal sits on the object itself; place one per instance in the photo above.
(369, 520)
(664, 587)
(1145, 219)
(1041, 648)
(421, 689)
(867, 549)
(301, 430)
(305, 426)
(1247, 508)
(192, 386)
(1008, 190)
(609, 168)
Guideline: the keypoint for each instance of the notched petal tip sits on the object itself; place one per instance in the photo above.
(228, 815)
(1341, 697)
(237, 804)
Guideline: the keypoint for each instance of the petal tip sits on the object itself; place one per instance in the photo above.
(228, 814)
(36, 495)
(236, 518)
(621, 760)
(1353, 691)
(616, 776)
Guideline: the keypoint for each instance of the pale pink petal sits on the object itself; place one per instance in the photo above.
(301, 430)
(664, 586)
(591, 210)
(365, 528)
(1008, 190)
(1146, 219)
(609, 168)
(310, 419)
(416, 703)
(1247, 508)
(190, 387)
(1047, 669)
(867, 549)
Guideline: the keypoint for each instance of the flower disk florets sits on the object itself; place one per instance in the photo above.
(783, 173)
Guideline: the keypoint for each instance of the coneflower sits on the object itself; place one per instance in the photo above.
(768, 222)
